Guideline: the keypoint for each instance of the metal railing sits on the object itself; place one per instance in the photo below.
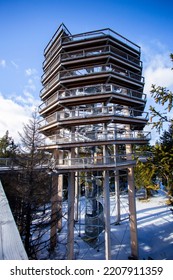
(17, 163)
(65, 74)
(96, 161)
(93, 90)
(103, 33)
(95, 136)
(100, 69)
(94, 51)
(81, 113)
(51, 48)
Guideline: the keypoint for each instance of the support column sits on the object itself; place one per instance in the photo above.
(54, 199)
(132, 206)
(107, 215)
(56, 202)
(70, 224)
(117, 188)
(71, 200)
(106, 202)
(76, 213)
(117, 197)
(60, 189)
(132, 214)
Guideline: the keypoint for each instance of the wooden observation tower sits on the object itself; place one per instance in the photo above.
(93, 115)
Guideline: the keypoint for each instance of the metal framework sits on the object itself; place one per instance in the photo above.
(92, 114)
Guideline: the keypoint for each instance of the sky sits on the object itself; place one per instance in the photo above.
(27, 26)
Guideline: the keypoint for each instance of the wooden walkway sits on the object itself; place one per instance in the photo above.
(11, 246)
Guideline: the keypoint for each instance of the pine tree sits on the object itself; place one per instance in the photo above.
(145, 176)
(164, 97)
(164, 159)
(7, 146)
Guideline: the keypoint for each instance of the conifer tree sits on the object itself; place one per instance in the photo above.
(164, 97)
(7, 146)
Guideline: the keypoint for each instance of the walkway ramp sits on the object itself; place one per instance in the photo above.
(11, 246)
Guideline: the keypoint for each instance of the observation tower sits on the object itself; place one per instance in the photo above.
(92, 117)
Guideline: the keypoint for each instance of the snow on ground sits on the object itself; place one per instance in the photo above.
(155, 232)
(155, 228)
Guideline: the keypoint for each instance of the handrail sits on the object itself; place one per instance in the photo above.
(101, 160)
(48, 51)
(95, 160)
(104, 32)
(80, 113)
(100, 51)
(99, 69)
(93, 90)
(65, 74)
(95, 136)
(90, 52)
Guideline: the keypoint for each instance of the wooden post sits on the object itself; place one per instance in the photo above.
(56, 202)
(76, 196)
(76, 190)
(71, 200)
(117, 188)
(132, 206)
(54, 199)
(106, 203)
(107, 215)
(132, 214)
(70, 225)
(60, 188)
(117, 197)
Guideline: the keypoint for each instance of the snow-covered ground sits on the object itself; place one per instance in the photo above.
(155, 232)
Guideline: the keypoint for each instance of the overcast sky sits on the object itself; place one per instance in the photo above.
(27, 26)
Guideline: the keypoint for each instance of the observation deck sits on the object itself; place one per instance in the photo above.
(92, 93)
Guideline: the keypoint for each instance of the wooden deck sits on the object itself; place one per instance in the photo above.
(11, 246)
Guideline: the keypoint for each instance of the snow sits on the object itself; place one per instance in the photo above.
(155, 235)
